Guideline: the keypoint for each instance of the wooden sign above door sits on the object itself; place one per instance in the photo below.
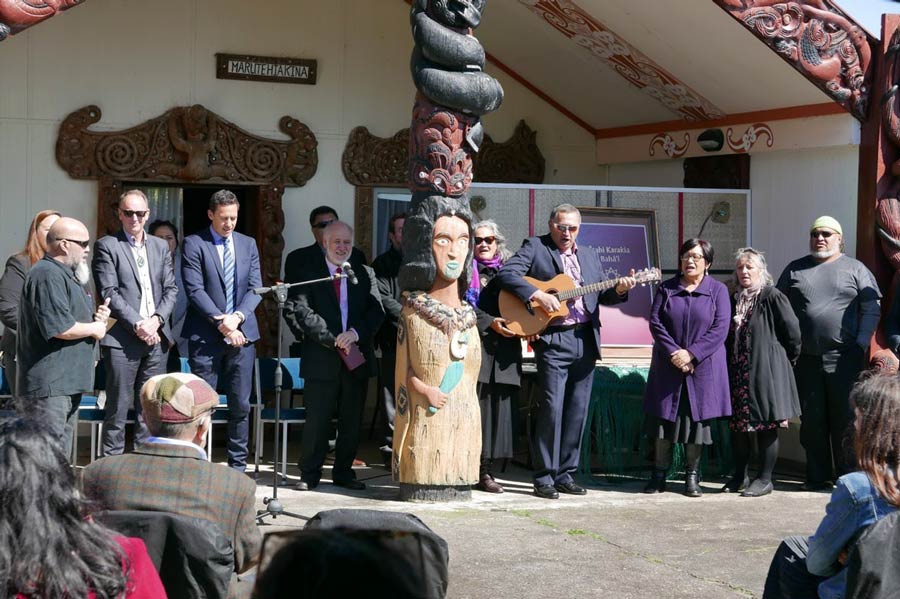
(266, 68)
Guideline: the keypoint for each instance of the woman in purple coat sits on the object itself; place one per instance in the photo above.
(688, 382)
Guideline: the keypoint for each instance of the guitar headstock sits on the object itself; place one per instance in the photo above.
(647, 275)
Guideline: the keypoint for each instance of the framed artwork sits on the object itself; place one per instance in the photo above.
(623, 239)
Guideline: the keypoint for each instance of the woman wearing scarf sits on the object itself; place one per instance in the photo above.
(763, 342)
(501, 356)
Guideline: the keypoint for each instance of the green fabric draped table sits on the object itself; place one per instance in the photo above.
(614, 443)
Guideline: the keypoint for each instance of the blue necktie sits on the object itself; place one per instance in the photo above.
(228, 271)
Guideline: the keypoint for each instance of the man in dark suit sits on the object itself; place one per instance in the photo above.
(134, 271)
(298, 259)
(567, 350)
(220, 268)
(333, 318)
(170, 472)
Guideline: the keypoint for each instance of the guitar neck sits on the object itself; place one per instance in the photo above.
(592, 288)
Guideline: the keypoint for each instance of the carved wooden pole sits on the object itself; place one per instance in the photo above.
(18, 15)
(437, 432)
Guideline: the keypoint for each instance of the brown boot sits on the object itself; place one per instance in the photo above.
(488, 484)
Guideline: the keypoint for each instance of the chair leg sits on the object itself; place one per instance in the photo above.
(284, 431)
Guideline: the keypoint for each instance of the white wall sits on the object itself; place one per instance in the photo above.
(136, 59)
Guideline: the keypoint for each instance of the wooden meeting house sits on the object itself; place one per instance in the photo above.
(296, 103)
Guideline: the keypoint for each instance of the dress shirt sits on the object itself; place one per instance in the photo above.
(332, 269)
(577, 312)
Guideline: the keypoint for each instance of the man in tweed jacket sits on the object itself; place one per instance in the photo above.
(170, 472)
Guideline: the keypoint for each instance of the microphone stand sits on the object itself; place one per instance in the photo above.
(280, 292)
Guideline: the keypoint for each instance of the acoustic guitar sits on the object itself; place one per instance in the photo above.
(526, 319)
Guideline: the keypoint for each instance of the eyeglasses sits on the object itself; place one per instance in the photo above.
(133, 213)
(563, 228)
(83, 244)
(322, 225)
(694, 257)
(487, 240)
(817, 234)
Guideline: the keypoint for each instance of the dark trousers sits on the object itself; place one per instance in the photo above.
(565, 376)
(823, 384)
(322, 399)
(386, 377)
(126, 372)
(230, 370)
(57, 412)
(788, 577)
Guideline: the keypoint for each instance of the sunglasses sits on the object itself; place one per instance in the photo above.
(322, 224)
(487, 240)
(83, 244)
(564, 228)
(817, 234)
(137, 213)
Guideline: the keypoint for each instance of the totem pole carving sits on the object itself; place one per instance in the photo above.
(437, 438)
(18, 15)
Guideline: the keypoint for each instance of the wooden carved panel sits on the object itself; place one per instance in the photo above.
(16, 15)
(190, 144)
(819, 40)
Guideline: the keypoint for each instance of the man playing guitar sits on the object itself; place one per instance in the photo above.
(565, 351)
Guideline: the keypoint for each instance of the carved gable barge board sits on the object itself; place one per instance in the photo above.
(194, 146)
(18, 15)
(819, 40)
(370, 161)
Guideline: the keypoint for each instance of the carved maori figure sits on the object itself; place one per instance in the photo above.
(187, 144)
(887, 214)
(16, 15)
(817, 39)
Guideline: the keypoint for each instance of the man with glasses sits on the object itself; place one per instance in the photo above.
(134, 271)
(57, 330)
(567, 350)
(836, 299)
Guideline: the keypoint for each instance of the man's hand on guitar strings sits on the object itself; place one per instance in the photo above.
(626, 283)
(548, 302)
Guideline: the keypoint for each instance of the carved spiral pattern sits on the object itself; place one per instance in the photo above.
(117, 155)
(264, 161)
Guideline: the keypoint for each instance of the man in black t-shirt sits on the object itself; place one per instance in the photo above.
(57, 329)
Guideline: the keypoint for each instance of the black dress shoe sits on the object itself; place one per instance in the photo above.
(570, 488)
(352, 484)
(758, 488)
(657, 482)
(736, 485)
(305, 486)
(546, 492)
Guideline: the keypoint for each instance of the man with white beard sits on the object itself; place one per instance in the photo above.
(836, 299)
(57, 330)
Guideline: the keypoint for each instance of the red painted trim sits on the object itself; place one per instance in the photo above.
(680, 222)
(531, 196)
(776, 114)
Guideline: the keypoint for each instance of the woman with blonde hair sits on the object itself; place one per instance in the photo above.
(11, 283)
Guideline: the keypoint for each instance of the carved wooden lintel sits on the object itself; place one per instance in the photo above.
(16, 15)
(374, 161)
(818, 39)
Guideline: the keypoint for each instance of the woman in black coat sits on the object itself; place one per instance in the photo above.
(501, 354)
(11, 283)
(763, 343)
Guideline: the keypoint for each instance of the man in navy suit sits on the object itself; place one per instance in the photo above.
(567, 350)
(334, 318)
(220, 267)
(134, 271)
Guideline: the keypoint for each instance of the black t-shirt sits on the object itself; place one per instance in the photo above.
(52, 302)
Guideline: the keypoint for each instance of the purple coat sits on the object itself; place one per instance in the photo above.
(698, 322)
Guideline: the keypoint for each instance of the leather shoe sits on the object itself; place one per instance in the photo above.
(758, 488)
(736, 485)
(570, 488)
(352, 484)
(305, 486)
(817, 486)
(487, 484)
(657, 482)
(546, 492)
(692, 484)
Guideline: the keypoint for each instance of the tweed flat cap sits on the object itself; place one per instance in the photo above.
(177, 397)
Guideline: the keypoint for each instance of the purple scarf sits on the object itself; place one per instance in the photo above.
(474, 290)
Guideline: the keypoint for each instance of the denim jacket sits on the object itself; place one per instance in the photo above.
(855, 504)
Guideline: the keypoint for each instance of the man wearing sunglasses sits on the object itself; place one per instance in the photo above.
(57, 329)
(134, 270)
(566, 352)
(836, 299)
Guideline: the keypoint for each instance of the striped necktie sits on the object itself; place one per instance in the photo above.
(228, 271)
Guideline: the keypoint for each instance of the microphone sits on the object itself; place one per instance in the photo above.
(351, 276)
